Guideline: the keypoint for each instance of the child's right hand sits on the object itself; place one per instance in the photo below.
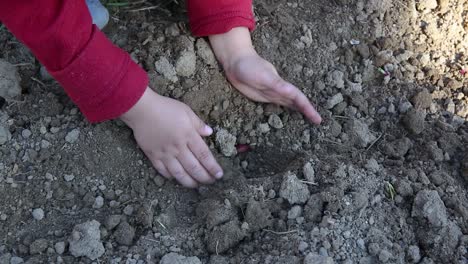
(170, 134)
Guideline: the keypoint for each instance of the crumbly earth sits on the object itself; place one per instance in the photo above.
(389, 163)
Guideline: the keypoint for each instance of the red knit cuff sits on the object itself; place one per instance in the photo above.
(222, 23)
(208, 17)
(102, 80)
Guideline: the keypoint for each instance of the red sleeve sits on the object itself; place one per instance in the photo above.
(99, 77)
(210, 17)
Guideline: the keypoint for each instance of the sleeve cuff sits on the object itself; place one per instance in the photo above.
(102, 80)
(222, 23)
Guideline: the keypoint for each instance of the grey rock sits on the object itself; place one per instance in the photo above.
(59, 247)
(422, 100)
(335, 79)
(257, 216)
(68, 177)
(309, 172)
(98, 202)
(205, 53)
(9, 80)
(385, 256)
(313, 258)
(186, 63)
(16, 260)
(174, 258)
(428, 205)
(5, 134)
(295, 212)
(164, 67)
(275, 121)
(224, 237)
(414, 254)
(38, 246)
(227, 142)
(72, 136)
(360, 133)
(85, 240)
(113, 221)
(293, 190)
(334, 100)
(38, 214)
(124, 234)
(414, 121)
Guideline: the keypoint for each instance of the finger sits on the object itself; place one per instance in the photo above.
(296, 99)
(193, 167)
(202, 128)
(178, 172)
(205, 157)
(159, 166)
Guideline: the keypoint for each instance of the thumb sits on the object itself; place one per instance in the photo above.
(202, 128)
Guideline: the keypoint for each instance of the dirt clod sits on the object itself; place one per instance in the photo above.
(9, 80)
(85, 240)
(293, 190)
(428, 205)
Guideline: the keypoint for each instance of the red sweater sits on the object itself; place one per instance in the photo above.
(98, 76)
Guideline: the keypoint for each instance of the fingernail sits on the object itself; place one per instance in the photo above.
(208, 129)
(219, 175)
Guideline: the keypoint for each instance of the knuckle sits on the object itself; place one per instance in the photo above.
(204, 155)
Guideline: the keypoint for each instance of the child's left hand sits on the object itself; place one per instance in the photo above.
(255, 77)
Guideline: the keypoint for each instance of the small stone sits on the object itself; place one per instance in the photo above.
(309, 172)
(124, 234)
(86, 240)
(427, 5)
(414, 254)
(295, 212)
(72, 136)
(26, 133)
(336, 79)
(428, 205)
(293, 190)
(5, 134)
(403, 107)
(186, 63)
(372, 165)
(98, 202)
(112, 221)
(414, 121)
(226, 142)
(59, 247)
(16, 260)
(164, 67)
(334, 100)
(263, 128)
(45, 75)
(205, 53)
(68, 177)
(422, 100)
(38, 214)
(313, 258)
(174, 258)
(360, 133)
(302, 246)
(385, 256)
(363, 50)
(128, 210)
(38, 246)
(275, 121)
(9, 80)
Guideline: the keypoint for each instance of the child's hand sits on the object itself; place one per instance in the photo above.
(170, 134)
(255, 77)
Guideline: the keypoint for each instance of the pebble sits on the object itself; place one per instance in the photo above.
(205, 53)
(9, 81)
(302, 246)
(336, 79)
(309, 172)
(38, 246)
(334, 100)
(293, 190)
(85, 240)
(414, 121)
(59, 247)
(295, 212)
(38, 214)
(313, 258)
(164, 67)
(5, 134)
(275, 121)
(98, 202)
(226, 142)
(186, 64)
(428, 205)
(414, 254)
(72, 136)
(26, 133)
(385, 256)
(403, 107)
(124, 234)
(16, 260)
(128, 210)
(68, 177)
(174, 258)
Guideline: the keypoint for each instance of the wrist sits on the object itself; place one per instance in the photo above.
(229, 47)
(136, 112)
